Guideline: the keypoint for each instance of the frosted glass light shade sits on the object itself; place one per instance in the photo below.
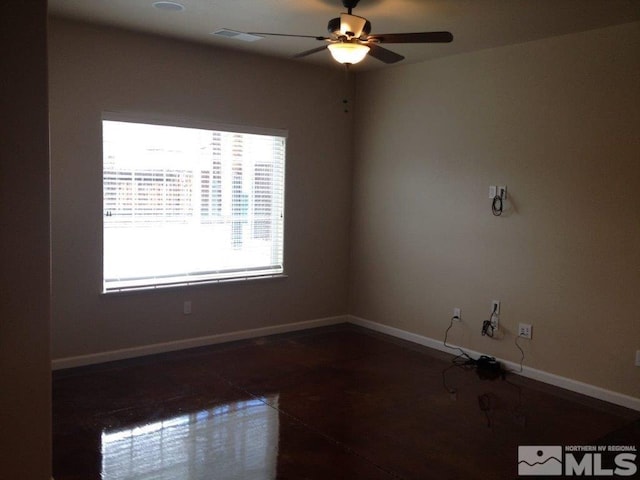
(348, 52)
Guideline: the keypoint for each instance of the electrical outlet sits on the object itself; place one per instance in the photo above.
(495, 323)
(637, 358)
(495, 307)
(456, 314)
(492, 191)
(502, 192)
(495, 311)
(525, 330)
(186, 307)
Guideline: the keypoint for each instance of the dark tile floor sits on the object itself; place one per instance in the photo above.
(339, 402)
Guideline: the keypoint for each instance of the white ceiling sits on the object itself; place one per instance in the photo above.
(475, 24)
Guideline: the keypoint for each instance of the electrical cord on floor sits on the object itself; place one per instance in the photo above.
(522, 352)
(487, 369)
(486, 403)
(450, 391)
(463, 360)
(467, 364)
(519, 415)
(446, 334)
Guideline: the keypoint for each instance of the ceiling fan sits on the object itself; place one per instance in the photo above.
(350, 39)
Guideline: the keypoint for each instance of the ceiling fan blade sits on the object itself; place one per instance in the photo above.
(419, 37)
(384, 55)
(288, 35)
(309, 52)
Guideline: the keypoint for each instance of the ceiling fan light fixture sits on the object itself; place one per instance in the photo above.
(351, 53)
(351, 25)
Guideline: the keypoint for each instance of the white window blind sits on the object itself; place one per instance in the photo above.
(188, 205)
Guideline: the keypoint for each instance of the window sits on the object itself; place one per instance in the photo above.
(185, 205)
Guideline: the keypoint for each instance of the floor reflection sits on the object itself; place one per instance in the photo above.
(237, 440)
(350, 405)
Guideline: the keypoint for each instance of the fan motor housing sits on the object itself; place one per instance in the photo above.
(334, 27)
(350, 3)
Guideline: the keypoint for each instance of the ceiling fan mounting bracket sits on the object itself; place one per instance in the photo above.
(350, 4)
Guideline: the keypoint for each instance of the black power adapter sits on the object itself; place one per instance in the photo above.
(488, 368)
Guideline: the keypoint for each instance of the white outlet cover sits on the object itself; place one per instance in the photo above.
(637, 358)
(493, 304)
(525, 330)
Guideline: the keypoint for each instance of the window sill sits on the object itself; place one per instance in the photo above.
(185, 285)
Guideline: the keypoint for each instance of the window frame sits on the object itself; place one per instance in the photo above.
(221, 275)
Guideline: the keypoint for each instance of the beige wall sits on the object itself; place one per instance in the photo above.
(94, 70)
(25, 381)
(557, 121)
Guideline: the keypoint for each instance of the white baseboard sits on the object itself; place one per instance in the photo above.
(109, 356)
(546, 377)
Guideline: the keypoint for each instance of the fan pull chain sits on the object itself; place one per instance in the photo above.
(345, 101)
